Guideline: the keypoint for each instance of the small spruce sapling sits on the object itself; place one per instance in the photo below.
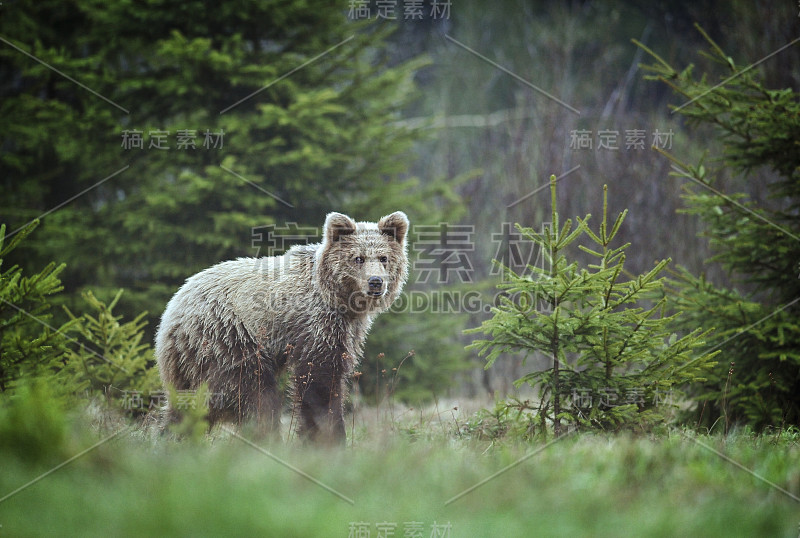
(615, 363)
(29, 345)
(109, 358)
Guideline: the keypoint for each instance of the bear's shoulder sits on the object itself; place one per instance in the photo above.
(304, 250)
(302, 255)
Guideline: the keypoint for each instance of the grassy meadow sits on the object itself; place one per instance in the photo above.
(418, 473)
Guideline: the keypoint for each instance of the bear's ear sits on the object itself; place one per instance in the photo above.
(395, 226)
(337, 225)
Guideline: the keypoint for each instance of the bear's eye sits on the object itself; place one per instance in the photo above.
(384, 259)
(359, 260)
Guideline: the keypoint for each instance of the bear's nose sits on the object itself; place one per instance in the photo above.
(375, 283)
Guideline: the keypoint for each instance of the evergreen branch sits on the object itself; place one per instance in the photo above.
(736, 74)
(688, 175)
(617, 269)
(658, 58)
(20, 234)
(61, 331)
(640, 323)
(641, 282)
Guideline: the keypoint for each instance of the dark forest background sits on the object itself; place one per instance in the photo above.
(295, 109)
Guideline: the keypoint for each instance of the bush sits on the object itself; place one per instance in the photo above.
(33, 424)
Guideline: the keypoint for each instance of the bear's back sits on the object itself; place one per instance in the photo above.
(253, 292)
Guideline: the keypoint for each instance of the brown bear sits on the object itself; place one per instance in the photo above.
(239, 324)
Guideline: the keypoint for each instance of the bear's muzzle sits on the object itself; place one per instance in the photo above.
(375, 286)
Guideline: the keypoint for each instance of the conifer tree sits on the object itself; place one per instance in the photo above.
(29, 344)
(249, 114)
(194, 124)
(108, 358)
(87, 354)
(757, 381)
(614, 362)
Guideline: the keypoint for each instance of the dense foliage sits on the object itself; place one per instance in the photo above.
(227, 143)
(180, 133)
(757, 317)
(155, 139)
(615, 362)
(29, 344)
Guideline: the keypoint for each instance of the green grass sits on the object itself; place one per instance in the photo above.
(583, 485)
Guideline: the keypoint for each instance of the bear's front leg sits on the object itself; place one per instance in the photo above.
(319, 398)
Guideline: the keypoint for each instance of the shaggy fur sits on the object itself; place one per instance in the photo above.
(239, 324)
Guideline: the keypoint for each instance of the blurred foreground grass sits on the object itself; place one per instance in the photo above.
(138, 484)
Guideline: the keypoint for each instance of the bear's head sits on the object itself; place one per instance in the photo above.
(362, 266)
